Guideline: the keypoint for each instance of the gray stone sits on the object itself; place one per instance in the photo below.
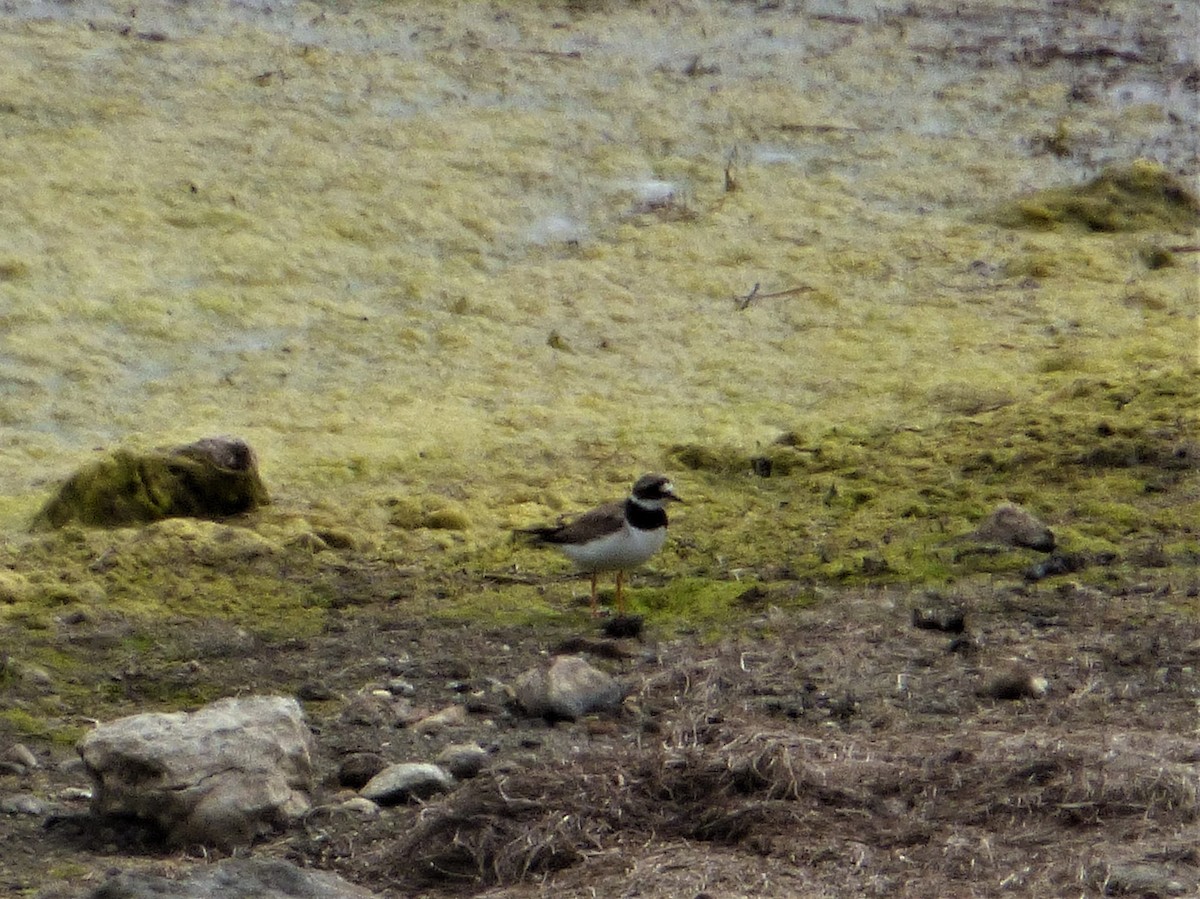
(234, 878)
(568, 689)
(409, 780)
(1143, 880)
(451, 716)
(463, 760)
(19, 754)
(315, 691)
(22, 804)
(398, 686)
(357, 769)
(222, 776)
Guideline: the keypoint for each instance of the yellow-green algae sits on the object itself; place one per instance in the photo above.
(355, 237)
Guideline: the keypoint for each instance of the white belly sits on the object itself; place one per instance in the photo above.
(627, 548)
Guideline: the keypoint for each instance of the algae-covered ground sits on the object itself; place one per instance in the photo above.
(853, 274)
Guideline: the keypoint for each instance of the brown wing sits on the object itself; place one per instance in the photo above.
(606, 519)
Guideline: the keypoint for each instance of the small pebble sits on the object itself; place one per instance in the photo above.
(357, 770)
(314, 691)
(20, 754)
(463, 760)
(360, 805)
(397, 686)
(451, 716)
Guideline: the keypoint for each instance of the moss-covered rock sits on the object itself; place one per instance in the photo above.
(779, 458)
(212, 478)
(1138, 197)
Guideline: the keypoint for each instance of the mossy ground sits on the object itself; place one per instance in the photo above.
(367, 282)
(455, 270)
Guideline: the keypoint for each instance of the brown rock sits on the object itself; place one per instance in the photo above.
(1010, 525)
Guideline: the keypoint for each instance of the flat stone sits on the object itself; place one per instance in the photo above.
(409, 780)
(22, 804)
(451, 716)
(1143, 880)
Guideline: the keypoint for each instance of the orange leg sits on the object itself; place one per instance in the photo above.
(595, 609)
(620, 592)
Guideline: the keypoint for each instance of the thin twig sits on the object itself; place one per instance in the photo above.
(745, 301)
(536, 51)
(753, 295)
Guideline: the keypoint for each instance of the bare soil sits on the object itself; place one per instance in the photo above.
(830, 751)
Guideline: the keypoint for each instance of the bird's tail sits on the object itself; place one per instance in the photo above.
(534, 536)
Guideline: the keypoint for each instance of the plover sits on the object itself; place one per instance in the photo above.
(616, 536)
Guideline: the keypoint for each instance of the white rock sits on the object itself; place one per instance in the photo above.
(221, 776)
(569, 689)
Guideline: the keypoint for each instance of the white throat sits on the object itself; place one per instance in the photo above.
(650, 505)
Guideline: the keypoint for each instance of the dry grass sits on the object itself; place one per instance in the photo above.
(846, 797)
(967, 813)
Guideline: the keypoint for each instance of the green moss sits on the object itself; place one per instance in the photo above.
(721, 460)
(12, 269)
(179, 568)
(1142, 196)
(516, 605)
(69, 872)
(895, 505)
(67, 735)
(24, 723)
(691, 603)
(1032, 265)
(448, 518)
(128, 488)
(406, 513)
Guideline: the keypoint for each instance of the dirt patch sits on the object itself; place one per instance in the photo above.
(836, 751)
(848, 756)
